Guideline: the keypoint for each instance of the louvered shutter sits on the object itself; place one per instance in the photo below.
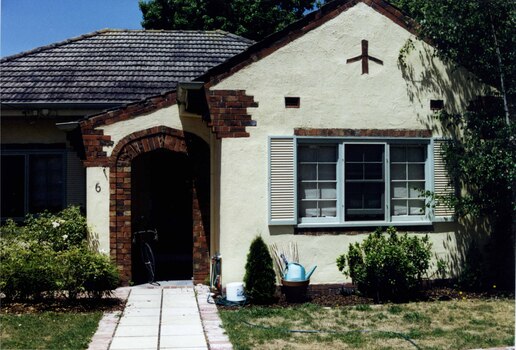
(442, 184)
(282, 181)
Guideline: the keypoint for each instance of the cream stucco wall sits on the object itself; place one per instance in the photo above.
(97, 205)
(333, 95)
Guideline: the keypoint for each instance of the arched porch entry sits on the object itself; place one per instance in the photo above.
(163, 175)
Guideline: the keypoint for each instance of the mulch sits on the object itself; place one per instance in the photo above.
(351, 298)
(61, 305)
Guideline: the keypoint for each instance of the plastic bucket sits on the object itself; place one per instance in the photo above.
(235, 291)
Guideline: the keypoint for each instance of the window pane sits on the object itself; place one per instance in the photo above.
(373, 195)
(373, 171)
(398, 154)
(307, 154)
(354, 195)
(416, 171)
(308, 172)
(398, 172)
(327, 154)
(45, 183)
(399, 190)
(399, 207)
(354, 153)
(354, 171)
(328, 208)
(416, 207)
(327, 172)
(416, 189)
(13, 186)
(373, 153)
(328, 190)
(309, 190)
(415, 154)
(309, 209)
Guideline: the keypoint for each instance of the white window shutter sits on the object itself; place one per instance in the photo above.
(282, 181)
(442, 184)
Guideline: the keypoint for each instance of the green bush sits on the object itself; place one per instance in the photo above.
(387, 266)
(48, 255)
(259, 279)
(28, 268)
(86, 271)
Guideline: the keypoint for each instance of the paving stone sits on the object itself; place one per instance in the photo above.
(137, 331)
(133, 343)
(142, 312)
(181, 329)
(171, 341)
(139, 321)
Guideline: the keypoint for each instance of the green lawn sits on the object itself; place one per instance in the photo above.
(48, 330)
(463, 324)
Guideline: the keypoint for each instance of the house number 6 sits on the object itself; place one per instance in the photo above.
(97, 187)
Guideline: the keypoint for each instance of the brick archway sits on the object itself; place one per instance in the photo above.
(120, 193)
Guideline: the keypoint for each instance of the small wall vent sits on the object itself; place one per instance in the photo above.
(436, 105)
(292, 102)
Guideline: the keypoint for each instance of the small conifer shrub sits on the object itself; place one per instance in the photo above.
(259, 279)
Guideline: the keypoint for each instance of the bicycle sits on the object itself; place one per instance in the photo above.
(141, 237)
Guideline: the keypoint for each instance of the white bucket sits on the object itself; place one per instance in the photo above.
(235, 291)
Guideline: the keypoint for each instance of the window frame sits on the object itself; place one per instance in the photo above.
(26, 153)
(389, 219)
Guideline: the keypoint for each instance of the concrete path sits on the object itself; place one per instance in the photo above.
(169, 316)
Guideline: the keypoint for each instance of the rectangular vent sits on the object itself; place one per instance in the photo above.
(292, 102)
(436, 105)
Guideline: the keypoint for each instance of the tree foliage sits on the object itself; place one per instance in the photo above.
(260, 278)
(253, 19)
(481, 158)
(464, 31)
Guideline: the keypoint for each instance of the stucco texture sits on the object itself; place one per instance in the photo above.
(333, 94)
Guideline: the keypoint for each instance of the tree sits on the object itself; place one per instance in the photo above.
(260, 278)
(480, 35)
(253, 19)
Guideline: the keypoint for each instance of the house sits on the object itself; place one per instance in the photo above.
(317, 134)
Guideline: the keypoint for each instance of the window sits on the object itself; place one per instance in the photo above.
(355, 182)
(318, 180)
(32, 182)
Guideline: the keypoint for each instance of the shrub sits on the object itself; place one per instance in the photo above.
(387, 266)
(87, 271)
(259, 279)
(28, 268)
(48, 255)
(64, 230)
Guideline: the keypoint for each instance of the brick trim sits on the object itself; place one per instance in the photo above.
(94, 139)
(363, 132)
(228, 112)
(299, 28)
(120, 194)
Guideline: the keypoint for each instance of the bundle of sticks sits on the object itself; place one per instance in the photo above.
(282, 255)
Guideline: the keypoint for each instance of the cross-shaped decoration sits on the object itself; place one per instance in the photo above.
(365, 57)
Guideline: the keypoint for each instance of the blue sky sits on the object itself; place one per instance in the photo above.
(27, 24)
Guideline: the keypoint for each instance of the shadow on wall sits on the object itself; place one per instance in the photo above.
(470, 234)
(428, 77)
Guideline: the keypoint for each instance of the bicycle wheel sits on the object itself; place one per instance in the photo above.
(148, 261)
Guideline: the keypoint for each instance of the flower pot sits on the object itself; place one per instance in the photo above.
(295, 291)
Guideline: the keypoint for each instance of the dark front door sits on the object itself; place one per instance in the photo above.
(162, 200)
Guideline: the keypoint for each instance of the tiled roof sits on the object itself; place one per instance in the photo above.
(114, 66)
